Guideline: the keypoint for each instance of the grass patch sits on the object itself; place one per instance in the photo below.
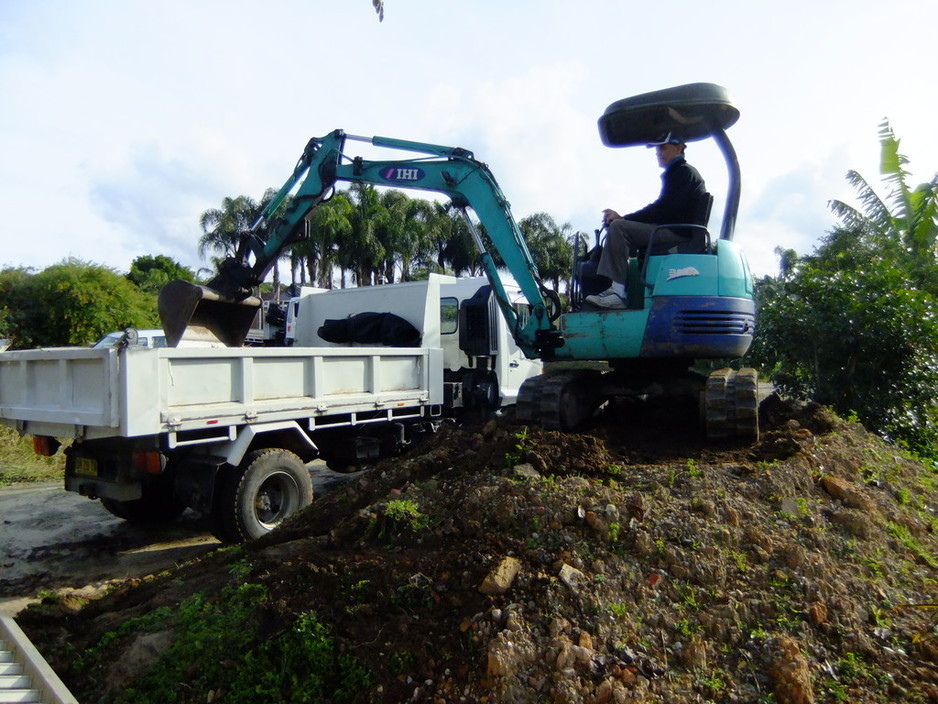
(902, 534)
(236, 661)
(19, 463)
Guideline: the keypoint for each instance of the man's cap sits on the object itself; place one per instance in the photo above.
(666, 138)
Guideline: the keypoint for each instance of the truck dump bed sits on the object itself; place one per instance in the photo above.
(130, 392)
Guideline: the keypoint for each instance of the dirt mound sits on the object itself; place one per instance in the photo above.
(630, 562)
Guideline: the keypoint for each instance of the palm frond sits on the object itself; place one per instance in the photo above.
(876, 211)
(850, 218)
(892, 168)
(923, 220)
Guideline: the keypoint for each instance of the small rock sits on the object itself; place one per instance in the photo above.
(848, 493)
(857, 523)
(790, 506)
(571, 577)
(818, 614)
(499, 580)
(526, 471)
(605, 692)
(695, 654)
(790, 675)
(585, 640)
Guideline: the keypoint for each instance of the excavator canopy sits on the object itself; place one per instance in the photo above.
(694, 111)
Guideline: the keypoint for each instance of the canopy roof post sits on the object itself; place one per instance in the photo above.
(733, 188)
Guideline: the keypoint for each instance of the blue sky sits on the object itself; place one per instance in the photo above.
(121, 121)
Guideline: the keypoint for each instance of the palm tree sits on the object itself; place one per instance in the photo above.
(549, 245)
(329, 226)
(392, 230)
(362, 250)
(905, 221)
(223, 228)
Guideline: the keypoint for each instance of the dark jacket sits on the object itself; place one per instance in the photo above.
(682, 188)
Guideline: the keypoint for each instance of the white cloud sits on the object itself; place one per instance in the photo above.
(122, 122)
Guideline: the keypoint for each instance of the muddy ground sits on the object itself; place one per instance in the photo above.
(53, 540)
(630, 562)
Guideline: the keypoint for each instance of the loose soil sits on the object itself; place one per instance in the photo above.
(628, 562)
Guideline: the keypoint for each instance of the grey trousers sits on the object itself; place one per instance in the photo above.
(624, 236)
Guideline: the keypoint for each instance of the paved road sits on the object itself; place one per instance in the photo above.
(53, 539)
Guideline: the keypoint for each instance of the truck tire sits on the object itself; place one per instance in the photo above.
(156, 506)
(256, 497)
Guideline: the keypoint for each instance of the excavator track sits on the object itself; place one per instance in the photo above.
(559, 401)
(730, 404)
(529, 399)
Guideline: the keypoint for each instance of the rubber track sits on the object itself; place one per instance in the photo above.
(731, 404)
(557, 402)
(528, 404)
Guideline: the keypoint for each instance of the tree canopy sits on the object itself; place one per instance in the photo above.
(152, 272)
(368, 235)
(855, 324)
(71, 303)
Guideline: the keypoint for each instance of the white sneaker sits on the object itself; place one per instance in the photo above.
(608, 299)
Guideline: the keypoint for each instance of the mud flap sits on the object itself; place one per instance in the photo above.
(197, 313)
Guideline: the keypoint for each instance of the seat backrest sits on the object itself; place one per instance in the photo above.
(702, 211)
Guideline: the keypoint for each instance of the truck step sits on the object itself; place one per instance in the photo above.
(25, 676)
(14, 681)
(11, 696)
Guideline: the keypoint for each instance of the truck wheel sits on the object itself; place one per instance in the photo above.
(157, 505)
(255, 498)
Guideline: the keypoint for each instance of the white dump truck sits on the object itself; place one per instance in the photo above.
(227, 430)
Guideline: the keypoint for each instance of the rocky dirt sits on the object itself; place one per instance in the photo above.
(627, 562)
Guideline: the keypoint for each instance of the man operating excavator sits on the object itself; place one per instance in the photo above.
(682, 190)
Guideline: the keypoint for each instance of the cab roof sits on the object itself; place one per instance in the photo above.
(693, 111)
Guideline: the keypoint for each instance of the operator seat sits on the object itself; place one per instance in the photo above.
(698, 236)
(697, 243)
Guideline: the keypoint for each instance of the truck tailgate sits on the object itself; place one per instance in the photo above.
(66, 386)
(133, 392)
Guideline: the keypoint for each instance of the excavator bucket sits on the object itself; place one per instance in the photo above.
(197, 313)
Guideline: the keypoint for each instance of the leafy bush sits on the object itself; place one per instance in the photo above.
(71, 303)
(854, 326)
(862, 341)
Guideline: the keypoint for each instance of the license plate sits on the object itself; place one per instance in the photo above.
(86, 466)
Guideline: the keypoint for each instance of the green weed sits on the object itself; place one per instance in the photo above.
(403, 515)
(221, 634)
(521, 448)
(910, 543)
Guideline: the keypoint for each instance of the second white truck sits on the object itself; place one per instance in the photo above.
(228, 430)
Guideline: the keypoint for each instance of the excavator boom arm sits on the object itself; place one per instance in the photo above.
(451, 171)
